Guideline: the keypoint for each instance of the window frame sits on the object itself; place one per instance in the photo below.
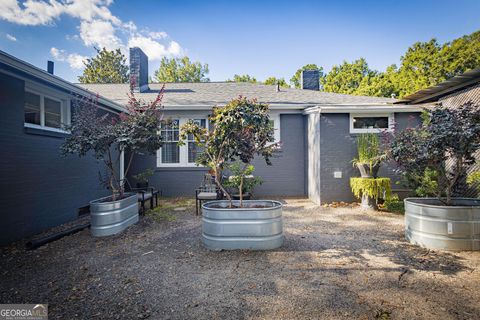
(183, 155)
(65, 110)
(391, 122)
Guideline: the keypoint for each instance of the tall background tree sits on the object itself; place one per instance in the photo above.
(295, 80)
(181, 70)
(424, 64)
(243, 78)
(106, 67)
(275, 80)
(348, 77)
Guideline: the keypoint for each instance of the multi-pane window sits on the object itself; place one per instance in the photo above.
(32, 108)
(45, 112)
(363, 123)
(173, 155)
(193, 149)
(170, 151)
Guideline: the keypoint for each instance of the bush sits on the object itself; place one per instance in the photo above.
(394, 204)
(447, 135)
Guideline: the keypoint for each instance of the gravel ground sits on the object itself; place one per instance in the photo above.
(336, 263)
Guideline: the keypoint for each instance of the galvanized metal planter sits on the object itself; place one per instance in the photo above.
(432, 225)
(112, 217)
(242, 228)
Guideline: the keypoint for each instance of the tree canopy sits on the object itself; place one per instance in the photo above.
(275, 80)
(348, 77)
(243, 78)
(181, 70)
(424, 64)
(106, 67)
(295, 80)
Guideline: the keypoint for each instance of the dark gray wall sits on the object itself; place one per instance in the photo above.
(338, 148)
(39, 188)
(286, 177)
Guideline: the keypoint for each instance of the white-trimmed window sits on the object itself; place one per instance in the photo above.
(371, 122)
(275, 121)
(173, 155)
(45, 111)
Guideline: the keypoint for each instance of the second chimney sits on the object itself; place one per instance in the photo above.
(310, 80)
(50, 67)
(138, 70)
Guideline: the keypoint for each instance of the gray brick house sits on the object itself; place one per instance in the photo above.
(41, 189)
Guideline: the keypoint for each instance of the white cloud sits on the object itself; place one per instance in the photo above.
(98, 27)
(99, 33)
(74, 59)
(154, 49)
(158, 35)
(11, 38)
(36, 12)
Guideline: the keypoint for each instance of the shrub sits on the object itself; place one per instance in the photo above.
(375, 188)
(394, 204)
(242, 178)
(447, 135)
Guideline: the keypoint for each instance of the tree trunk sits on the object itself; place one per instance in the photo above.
(240, 191)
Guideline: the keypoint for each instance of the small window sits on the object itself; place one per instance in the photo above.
(275, 123)
(32, 108)
(373, 123)
(45, 112)
(170, 151)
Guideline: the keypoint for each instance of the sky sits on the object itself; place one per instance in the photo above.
(262, 38)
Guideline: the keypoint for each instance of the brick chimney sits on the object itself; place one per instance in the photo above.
(310, 80)
(138, 70)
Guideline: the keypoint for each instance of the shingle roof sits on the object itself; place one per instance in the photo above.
(219, 93)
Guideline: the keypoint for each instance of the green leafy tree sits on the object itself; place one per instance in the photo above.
(242, 78)
(347, 77)
(461, 54)
(274, 81)
(382, 84)
(181, 70)
(295, 80)
(106, 67)
(421, 67)
(95, 133)
(240, 131)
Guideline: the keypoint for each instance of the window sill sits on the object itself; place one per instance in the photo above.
(180, 168)
(45, 131)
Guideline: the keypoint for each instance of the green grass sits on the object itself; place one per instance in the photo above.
(165, 210)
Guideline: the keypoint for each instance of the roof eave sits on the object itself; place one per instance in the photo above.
(43, 75)
(370, 108)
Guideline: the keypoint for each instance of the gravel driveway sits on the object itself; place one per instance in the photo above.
(337, 263)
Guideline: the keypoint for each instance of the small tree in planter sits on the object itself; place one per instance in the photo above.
(239, 131)
(440, 151)
(106, 137)
(437, 157)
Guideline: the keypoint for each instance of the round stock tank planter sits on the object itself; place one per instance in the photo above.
(112, 217)
(258, 225)
(430, 224)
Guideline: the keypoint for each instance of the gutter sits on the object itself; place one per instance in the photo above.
(366, 108)
(31, 70)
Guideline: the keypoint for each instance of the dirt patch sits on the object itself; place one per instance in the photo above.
(336, 263)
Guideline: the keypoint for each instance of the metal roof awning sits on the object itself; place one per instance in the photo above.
(444, 88)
